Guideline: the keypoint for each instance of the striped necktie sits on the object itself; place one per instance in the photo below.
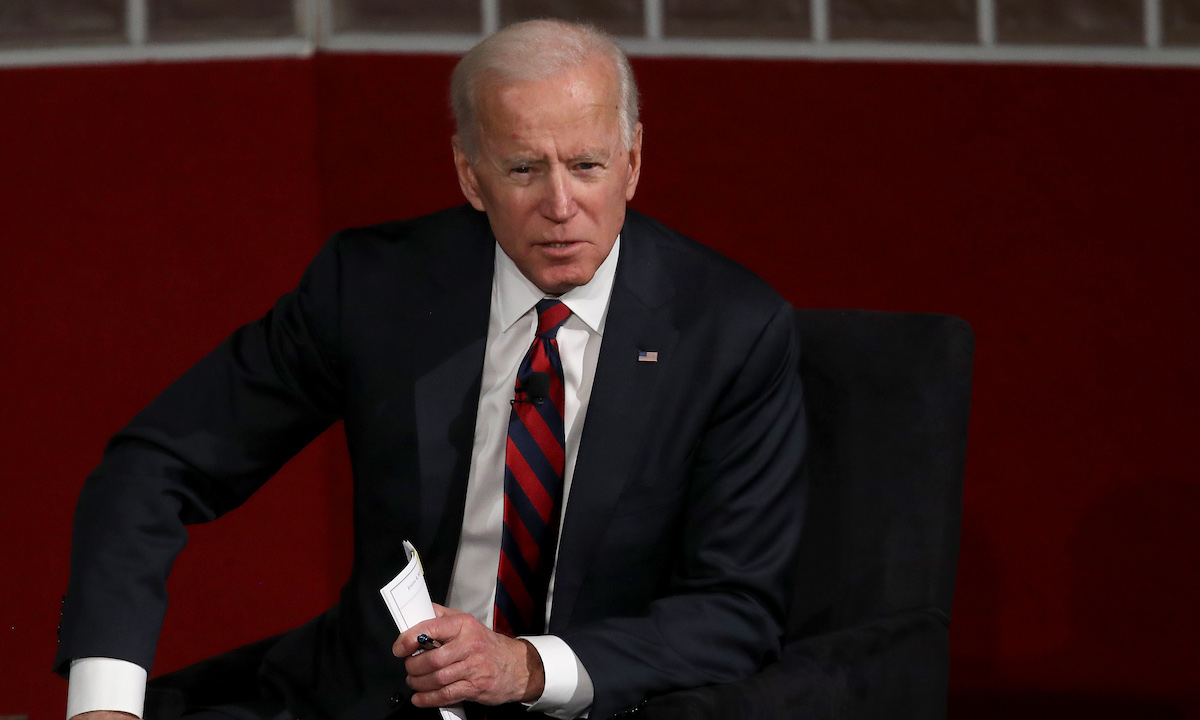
(534, 459)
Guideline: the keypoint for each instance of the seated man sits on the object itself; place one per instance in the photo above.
(585, 422)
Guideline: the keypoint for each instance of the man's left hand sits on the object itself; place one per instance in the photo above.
(473, 663)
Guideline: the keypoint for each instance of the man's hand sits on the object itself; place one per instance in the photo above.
(473, 663)
(104, 715)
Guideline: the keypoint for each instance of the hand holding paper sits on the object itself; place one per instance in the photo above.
(407, 599)
(473, 663)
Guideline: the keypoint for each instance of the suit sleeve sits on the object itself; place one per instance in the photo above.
(722, 614)
(200, 449)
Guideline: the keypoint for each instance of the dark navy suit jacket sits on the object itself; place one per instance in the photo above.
(682, 518)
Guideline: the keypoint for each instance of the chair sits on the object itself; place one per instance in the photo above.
(887, 397)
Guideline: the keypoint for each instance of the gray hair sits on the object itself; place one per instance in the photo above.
(530, 51)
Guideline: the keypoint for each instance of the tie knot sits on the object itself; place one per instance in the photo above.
(551, 315)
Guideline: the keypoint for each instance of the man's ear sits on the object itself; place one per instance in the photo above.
(635, 163)
(466, 175)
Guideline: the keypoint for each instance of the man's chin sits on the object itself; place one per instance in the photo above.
(559, 283)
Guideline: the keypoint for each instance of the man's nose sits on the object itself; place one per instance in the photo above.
(558, 200)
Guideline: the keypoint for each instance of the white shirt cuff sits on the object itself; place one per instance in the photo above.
(105, 684)
(568, 692)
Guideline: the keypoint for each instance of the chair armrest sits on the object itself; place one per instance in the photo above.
(226, 678)
(892, 667)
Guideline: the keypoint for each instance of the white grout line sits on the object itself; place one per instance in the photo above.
(450, 44)
(325, 21)
(652, 10)
(283, 47)
(489, 11)
(913, 52)
(1152, 20)
(985, 11)
(456, 44)
(308, 19)
(136, 22)
(819, 10)
(789, 49)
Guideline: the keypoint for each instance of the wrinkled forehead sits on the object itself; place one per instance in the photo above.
(584, 97)
(592, 83)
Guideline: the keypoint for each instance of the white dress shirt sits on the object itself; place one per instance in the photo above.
(512, 326)
(111, 684)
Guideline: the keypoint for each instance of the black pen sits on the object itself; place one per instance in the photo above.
(427, 643)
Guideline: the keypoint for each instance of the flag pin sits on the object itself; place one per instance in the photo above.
(644, 356)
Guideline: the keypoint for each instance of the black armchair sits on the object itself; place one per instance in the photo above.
(887, 396)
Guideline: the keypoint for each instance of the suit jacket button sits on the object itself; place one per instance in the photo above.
(395, 701)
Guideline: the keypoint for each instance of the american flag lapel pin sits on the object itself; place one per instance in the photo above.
(647, 356)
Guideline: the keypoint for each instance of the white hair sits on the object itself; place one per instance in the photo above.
(530, 51)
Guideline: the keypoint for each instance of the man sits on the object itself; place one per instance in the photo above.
(659, 460)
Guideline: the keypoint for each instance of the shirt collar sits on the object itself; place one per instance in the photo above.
(513, 294)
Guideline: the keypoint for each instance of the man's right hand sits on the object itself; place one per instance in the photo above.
(103, 715)
(473, 663)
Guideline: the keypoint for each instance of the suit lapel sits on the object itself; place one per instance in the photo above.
(447, 400)
(617, 418)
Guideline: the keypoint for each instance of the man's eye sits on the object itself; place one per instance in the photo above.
(522, 169)
(588, 165)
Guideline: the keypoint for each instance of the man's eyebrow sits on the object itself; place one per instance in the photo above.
(589, 156)
(592, 156)
(523, 160)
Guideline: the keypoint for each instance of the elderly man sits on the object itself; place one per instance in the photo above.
(585, 422)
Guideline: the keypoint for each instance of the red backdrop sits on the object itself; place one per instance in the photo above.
(146, 210)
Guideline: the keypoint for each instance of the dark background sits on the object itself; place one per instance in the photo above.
(148, 209)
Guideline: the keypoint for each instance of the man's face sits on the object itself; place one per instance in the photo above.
(552, 173)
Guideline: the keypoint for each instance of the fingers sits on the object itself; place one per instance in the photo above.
(451, 694)
(442, 629)
(453, 678)
(428, 674)
(454, 671)
(473, 663)
(433, 660)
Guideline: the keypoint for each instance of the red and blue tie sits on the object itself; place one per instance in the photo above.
(533, 483)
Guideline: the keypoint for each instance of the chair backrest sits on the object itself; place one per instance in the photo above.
(887, 398)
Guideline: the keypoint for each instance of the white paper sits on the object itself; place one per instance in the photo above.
(407, 599)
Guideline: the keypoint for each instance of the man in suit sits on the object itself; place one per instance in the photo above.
(666, 452)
